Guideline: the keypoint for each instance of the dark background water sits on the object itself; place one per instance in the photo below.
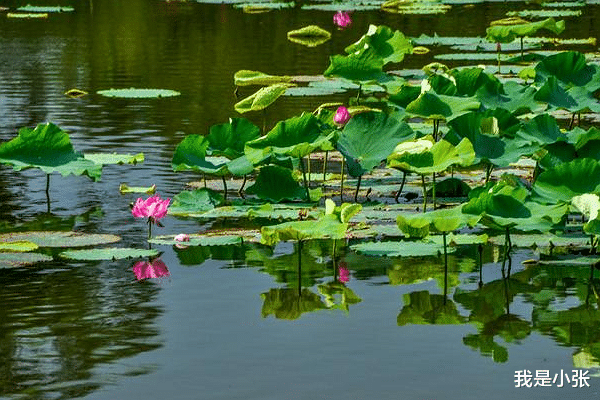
(217, 329)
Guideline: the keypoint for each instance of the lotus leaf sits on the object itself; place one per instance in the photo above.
(423, 307)
(112, 253)
(212, 238)
(451, 187)
(17, 246)
(436, 159)
(389, 46)
(544, 13)
(59, 238)
(262, 98)
(295, 137)
(134, 93)
(229, 139)
(430, 105)
(310, 36)
(357, 67)
(587, 261)
(511, 96)
(438, 221)
(334, 6)
(567, 180)
(124, 188)
(266, 211)
(570, 68)
(44, 9)
(114, 158)
(27, 15)
(327, 227)
(507, 30)
(400, 249)
(368, 138)
(195, 201)
(532, 240)
(573, 99)
(16, 260)
(246, 78)
(277, 184)
(263, 6)
(419, 7)
(48, 148)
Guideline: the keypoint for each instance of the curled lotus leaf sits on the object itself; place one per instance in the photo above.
(228, 139)
(246, 78)
(112, 253)
(136, 93)
(571, 68)
(262, 98)
(124, 188)
(419, 225)
(508, 29)
(59, 238)
(382, 42)
(567, 180)
(310, 36)
(443, 107)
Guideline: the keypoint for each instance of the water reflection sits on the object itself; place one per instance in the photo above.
(150, 269)
(57, 327)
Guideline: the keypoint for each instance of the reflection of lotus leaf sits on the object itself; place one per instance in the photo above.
(423, 307)
(289, 304)
(310, 36)
(337, 295)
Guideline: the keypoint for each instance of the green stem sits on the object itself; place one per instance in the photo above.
(522, 56)
(204, 178)
(224, 187)
(445, 268)
(488, 172)
(436, 124)
(358, 94)
(325, 167)
(480, 251)
(241, 191)
(357, 189)
(308, 168)
(304, 178)
(424, 193)
(48, 193)
(149, 228)
(342, 181)
(401, 186)
(433, 191)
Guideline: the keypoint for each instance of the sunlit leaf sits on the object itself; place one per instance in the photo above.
(276, 184)
(507, 30)
(262, 98)
(18, 246)
(112, 253)
(310, 36)
(567, 180)
(229, 139)
(246, 78)
(59, 238)
(400, 249)
(135, 93)
(114, 158)
(124, 188)
(195, 201)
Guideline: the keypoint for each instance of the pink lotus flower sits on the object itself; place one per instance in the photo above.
(343, 273)
(154, 269)
(342, 19)
(154, 208)
(182, 237)
(341, 116)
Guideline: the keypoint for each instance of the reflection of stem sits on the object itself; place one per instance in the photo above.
(357, 189)
(224, 187)
(304, 178)
(401, 186)
(424, 193)
(48, 192)
(445, 268)
(299, 268)
(342, 181)
(480, 251)
(334, 261)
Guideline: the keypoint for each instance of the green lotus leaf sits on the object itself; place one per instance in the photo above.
(276, 184)
(485, 130)
(573, 99)
(260, 7)
(406, 95)
(451, 187)
(228, 140)
(246, 78)
(570, 68)
(18, 246)
(59, 238)
(327, 227)
(469, 80)
(48, 148)
(310, 36)
(360, 67)
(225, 237)
(368, 138)
(124, 188)
(424, 308)
(114, 158)
(586, 261)
(565, 181)
(17, 260)
(295, 137)
(586, 143)
(502, 33)
(437, 158)
(111, 253)
(400, 249)
(262, 98)
(265, 211)
(382, 42)
(45, 9)
(195, 201)
(363, 6)
(533, 240)
(419, 225)
(461, 239)
(544, 13)
(419, 7)
(430, 105)
(511, 96)
(20, 15)
(135, 93)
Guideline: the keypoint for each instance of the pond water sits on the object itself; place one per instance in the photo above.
(244, 322)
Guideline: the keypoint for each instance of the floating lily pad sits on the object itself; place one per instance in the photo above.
(110, 253)
(76, 93)
(27, 15)
(541, 240)
(212, 238)
(573, 262)
(544, 13)
(310, 36)
(246, 78)
(400, 249)
(114, 158)
(415, 7)
(16, 260)
(268, 211)
(261, 7)
(347, 6)
(123, 188)
(60, 238)
(45, 9)
(133, 93)
(18, 246)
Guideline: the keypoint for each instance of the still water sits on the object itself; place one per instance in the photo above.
(245, 322)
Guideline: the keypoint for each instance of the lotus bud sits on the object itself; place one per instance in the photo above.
(342, 19)
(341, 116)
(343, 273)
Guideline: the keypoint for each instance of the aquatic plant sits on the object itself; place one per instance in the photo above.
(342, 19)
(154, 208)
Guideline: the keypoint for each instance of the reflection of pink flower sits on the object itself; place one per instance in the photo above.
(342, 19)
(341, 116)
(153, 207)
(343, 273)
(154, 269)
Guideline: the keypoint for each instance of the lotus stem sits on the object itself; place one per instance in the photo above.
(308, 168)
(48, 193)
(436, 125)
(241, 191)
(572, 123)
(304, 178)
(445, 267)
(522, 55)
(299, 268)
(357, 189)
(264, 118)
(342, 181)
(149, 228)
(488, 172)
(424, 193)
(498, 50)
(401, 186)
(433, 190)
(325, 167)
(358, 94)
(204, 178)
(224, 187)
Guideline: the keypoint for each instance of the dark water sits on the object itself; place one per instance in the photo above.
(244, 322)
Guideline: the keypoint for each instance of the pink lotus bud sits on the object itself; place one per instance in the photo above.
(182, 237)
(341, 116)
(342, 19)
